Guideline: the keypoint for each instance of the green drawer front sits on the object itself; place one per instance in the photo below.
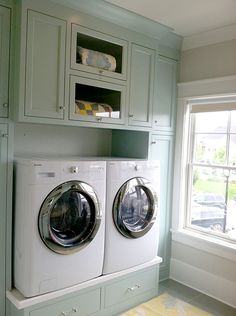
(81, 305)
(130, 287)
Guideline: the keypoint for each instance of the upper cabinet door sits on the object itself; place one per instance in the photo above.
(164, 109)
(141, 85)
(45, 66)
(97, 101)
(98, 53)
(4, 58)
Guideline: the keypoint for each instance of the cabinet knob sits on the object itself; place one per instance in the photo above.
(153, 142)
(61, 108)
(4, 135)
(99, 119)
(5, 105)
(75, 309)
(63, 314)
(131, 115)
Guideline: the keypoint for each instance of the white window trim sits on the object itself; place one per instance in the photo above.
(201, 90)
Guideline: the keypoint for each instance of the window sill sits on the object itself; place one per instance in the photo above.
(214, 246)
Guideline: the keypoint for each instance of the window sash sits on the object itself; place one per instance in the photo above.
(203, 108)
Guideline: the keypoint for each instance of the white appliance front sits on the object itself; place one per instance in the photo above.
(131, 233)
(59, 223)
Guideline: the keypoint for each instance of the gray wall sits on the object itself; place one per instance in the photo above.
(192, 264)
(212, 61)
(204, 261)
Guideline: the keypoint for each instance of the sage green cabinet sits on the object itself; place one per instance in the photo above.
(142, 64)
(161, 148)
(111, 296)
(165, 95)
(98, 53)
(5, 15)
(122, 290)
(80, 305)
(96, 101)
(3, 212)
(45, 66)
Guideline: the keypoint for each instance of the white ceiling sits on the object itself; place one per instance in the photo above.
(186, 17)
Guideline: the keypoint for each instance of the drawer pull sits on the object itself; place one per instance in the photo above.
(75, 309)
(133, 288)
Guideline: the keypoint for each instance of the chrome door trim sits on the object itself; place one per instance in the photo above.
(52, 241)
(152, 212)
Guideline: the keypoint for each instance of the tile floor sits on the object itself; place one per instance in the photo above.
(196, 298)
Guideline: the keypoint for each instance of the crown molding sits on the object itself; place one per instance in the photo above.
(210, 37)
(122, 17)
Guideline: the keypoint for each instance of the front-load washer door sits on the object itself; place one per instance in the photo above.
(69, 217)
(135, 208)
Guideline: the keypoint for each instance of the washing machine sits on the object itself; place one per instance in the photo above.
(59, 223)
(131, 233)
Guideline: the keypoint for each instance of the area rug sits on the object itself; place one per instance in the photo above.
(166, 305)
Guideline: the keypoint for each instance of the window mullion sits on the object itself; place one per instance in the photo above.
(228, 139)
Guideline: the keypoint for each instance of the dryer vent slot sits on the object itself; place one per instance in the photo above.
(47, 174)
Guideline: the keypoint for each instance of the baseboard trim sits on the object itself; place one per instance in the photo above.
(164, 273)
(205, 282)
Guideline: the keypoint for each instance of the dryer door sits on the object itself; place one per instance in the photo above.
(69, 217)
(135, 208)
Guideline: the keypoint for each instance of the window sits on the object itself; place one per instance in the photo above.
(211, 169)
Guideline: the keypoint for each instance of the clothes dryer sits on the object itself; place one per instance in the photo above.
(131, 234)
(59, 223)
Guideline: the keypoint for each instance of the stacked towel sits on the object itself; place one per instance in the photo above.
(96, 59)
(92, 108)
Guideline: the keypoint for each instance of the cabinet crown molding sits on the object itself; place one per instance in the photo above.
(130, 20)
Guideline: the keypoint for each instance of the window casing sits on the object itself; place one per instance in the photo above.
(211, 169)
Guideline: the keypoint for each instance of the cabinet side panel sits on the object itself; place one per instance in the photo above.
(161, 149)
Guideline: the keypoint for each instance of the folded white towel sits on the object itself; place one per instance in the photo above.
(96, 59)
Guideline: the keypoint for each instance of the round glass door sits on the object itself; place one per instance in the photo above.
(69, 217)
(135, 208)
